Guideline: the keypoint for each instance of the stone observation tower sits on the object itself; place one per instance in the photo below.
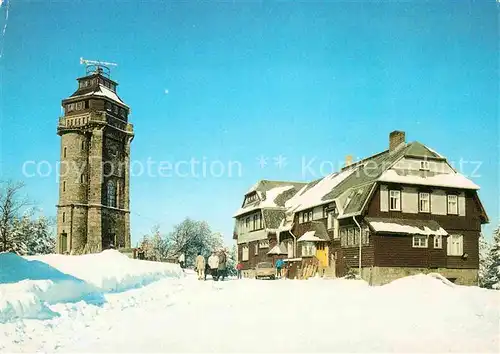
(93, 209)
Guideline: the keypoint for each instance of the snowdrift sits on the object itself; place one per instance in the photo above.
(110, 270)
(28, 285)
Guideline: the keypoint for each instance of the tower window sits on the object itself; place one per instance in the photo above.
(70, 107)
(111, 194)
(86, 104)
(82, 178)
(64, 186)
(64, 152)
(107, 105)
(63, 217)
(83, 145)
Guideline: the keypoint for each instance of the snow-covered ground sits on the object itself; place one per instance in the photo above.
(180, 314)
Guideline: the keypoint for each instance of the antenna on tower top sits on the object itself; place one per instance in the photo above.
(97, 66)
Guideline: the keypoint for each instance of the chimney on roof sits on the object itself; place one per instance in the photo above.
(348, 160)
(396, 138)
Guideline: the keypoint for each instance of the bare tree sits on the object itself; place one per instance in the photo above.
(11, 205)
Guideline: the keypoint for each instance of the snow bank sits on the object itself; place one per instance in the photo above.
(110, 270)
(420, 282)
(29, 284)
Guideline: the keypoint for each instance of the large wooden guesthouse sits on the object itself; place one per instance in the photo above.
(405, 210)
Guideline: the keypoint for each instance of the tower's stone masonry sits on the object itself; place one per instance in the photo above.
(93, 210)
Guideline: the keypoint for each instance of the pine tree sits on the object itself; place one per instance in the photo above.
(231, 261)
(492, 274)
(484, 248)
(19, 233)
(40, 240)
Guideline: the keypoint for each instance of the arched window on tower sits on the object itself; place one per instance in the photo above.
(111, 194)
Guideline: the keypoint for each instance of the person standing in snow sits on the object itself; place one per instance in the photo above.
(200, 266)
(221, 269)
(213, 262)
(239, 268)
(207, 270)
(181, 260)
(279, 266)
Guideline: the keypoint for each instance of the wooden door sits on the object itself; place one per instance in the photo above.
(322, 254)
(63, 243)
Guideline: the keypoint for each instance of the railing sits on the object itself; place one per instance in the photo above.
(78, 121)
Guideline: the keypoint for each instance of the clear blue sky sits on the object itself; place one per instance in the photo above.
(251, 78)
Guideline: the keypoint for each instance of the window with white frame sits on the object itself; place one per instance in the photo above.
(350, 237)
(438, 241)
(455, 245)
(452, 204)
(290, 249)
(256, 249)
(424, 202)
(331, 220)
(325, 212)
(343, 237)
(395, 200)
(264, 244)
(424, 165)
(310, 217)
(308, 249)
(356, 236)
(244, 253)
(420, 241)
(247, 223)
(366, 237)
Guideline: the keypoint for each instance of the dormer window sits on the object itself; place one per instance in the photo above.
(424, 165)
(250, 198)
(84, 83)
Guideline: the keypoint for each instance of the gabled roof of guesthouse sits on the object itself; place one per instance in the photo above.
(353, 193)
(352, 187)
(272, 195)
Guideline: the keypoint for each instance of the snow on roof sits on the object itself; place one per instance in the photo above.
(105, 92)
(285, 225)
(109, 94)
(404, 228)
(309, 236)
(308, 198)
(269, 202)
(435, 152)
(278, 249)
(453, 180)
